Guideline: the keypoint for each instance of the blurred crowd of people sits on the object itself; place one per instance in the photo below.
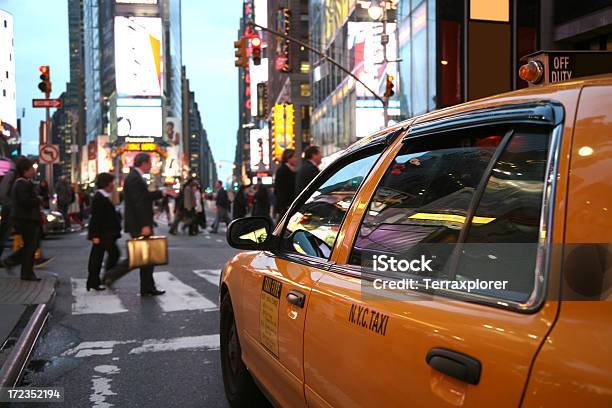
(27, 206)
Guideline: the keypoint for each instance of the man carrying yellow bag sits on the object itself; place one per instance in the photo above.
(139, 224)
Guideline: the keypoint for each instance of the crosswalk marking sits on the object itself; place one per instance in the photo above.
(211, 275)
(107, 347)
(104, 302)
(180, 296)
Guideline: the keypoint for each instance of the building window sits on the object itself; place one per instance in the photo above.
(4, 92)
(6, 74)
(5, 24)
(304, 67)
(305, 90)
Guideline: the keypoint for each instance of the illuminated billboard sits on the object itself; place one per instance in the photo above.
(139, 117)
(364, 40)
(260, 149)
(138, 56)
(283, 132)
(259, 74)
(173, 164)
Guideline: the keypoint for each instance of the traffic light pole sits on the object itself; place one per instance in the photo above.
(48, 167)
(325, 57)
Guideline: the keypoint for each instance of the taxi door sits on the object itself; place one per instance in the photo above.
(450, 182)
(274, 295)
(277, 286)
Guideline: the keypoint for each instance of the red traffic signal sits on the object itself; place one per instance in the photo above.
(45, 78)
(256, 49)
(389, 92)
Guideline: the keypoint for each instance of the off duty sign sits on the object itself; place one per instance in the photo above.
(49, 154)
(566, 65)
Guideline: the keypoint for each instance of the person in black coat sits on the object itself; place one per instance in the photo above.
(25, 215)
(284, 182)
(104, 230)
(239, 206)
(309, 169)
(138, 202)
(261, 202)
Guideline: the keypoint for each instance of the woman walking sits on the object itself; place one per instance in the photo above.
(26, 219)
(104, 230)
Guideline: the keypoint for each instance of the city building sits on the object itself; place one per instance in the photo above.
(242, 165)
(289, 89)
(129, 73)
(199, 158)
(449, 52)
(344, 109)
(456, 51)
(10, 140)
(64, 133)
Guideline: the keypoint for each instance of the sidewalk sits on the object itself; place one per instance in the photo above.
(24, 310)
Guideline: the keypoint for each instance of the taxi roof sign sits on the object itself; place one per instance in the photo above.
(557, 66)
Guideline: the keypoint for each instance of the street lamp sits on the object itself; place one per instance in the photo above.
(375, 10)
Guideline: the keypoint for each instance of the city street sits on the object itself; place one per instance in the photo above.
(99, 345)
(410, 200)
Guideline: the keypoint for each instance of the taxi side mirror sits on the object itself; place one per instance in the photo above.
(251, 233)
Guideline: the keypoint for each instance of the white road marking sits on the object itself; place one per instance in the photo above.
(207, 236)
(102, 302)
(180, 296)
(93, 348)
(208, 342)
(107, 369)
(211, 275)
(83, 233)
(219, 240)
(101, 386)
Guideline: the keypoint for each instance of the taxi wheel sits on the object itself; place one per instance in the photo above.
(240, 389)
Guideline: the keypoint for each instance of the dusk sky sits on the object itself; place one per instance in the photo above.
(41, 38)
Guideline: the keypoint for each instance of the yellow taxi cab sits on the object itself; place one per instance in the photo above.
(515, 189)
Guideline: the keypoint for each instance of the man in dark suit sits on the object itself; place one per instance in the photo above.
(104, 230)
(138, 202)
(309, 169)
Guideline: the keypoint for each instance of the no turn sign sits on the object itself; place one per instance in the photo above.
(49, 154)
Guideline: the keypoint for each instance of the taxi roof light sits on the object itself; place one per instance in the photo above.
(531, 72)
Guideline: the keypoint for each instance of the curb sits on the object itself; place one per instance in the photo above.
(12, 371)
(18, 359)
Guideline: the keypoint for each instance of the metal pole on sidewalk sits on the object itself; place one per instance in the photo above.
(384, 41)
(46, 141)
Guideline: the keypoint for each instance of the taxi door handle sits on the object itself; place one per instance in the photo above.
(296, 297)
(454, 364)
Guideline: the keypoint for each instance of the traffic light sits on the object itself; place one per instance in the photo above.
(389, 92)
(45, 79)
(241, 53)
(256, 49)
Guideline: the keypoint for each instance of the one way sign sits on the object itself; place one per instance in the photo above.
(47, 103)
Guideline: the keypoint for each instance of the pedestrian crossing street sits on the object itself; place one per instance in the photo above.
(178, 297)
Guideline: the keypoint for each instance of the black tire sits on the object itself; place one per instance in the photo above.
(240, 389)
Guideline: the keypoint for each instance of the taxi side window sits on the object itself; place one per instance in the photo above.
(421, 204)
(314, 225)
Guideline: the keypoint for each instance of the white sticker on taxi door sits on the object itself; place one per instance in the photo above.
(268, 314)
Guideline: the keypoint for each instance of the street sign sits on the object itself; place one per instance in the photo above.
(47, 103)
(49, 154)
